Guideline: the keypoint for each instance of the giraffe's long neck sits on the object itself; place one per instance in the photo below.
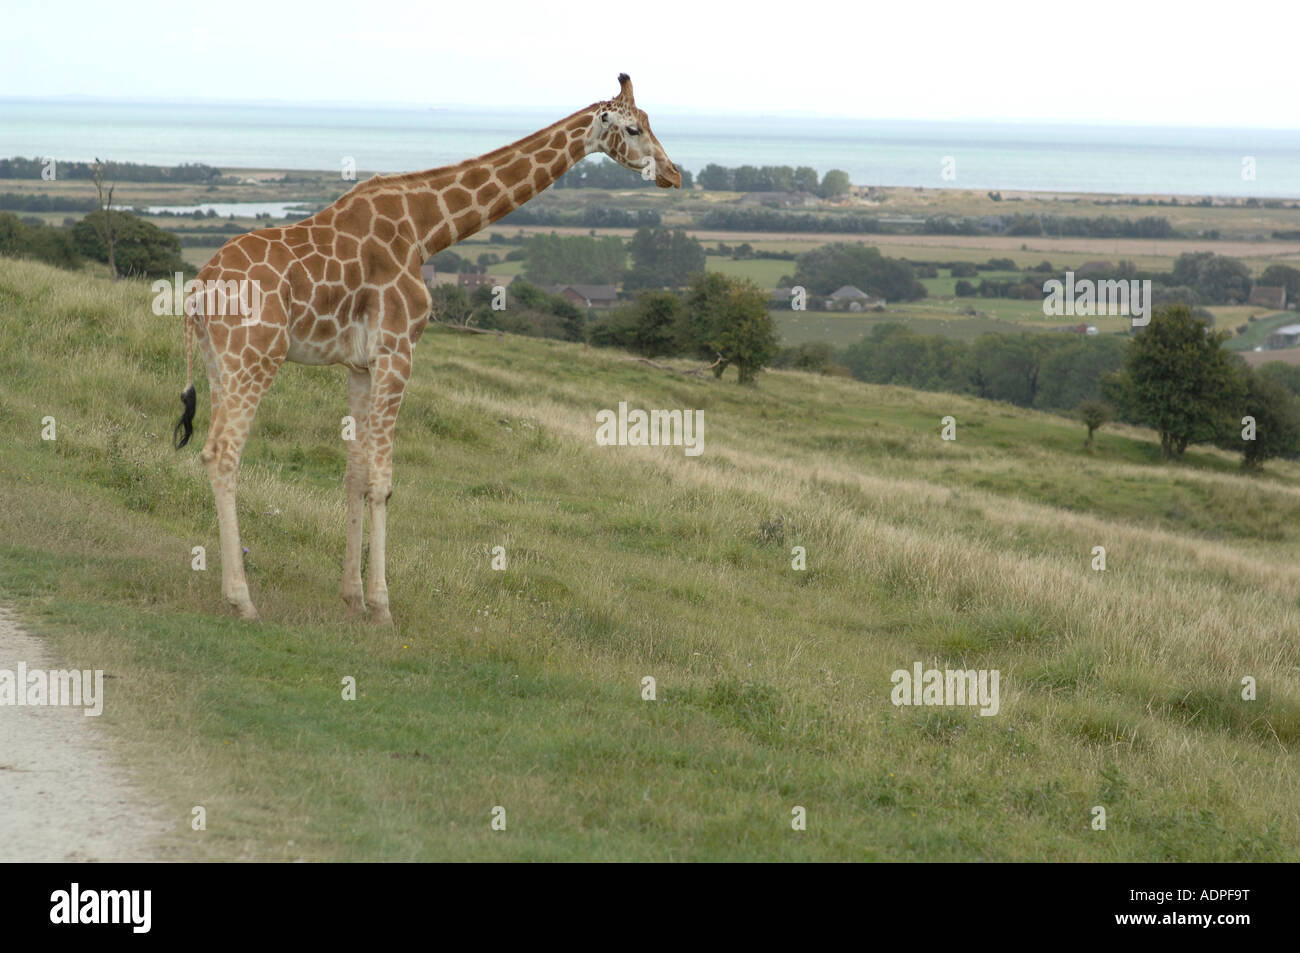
(453, 202)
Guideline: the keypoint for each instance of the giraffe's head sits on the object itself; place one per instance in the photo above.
(622, 132)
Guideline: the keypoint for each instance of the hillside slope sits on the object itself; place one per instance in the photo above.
(523, 689)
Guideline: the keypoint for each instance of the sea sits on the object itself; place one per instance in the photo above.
(985, 155)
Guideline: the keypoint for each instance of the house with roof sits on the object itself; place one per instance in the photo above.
(849, 298)
(586, 296)
(1269, 296)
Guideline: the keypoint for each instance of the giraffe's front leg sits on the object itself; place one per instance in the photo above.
(388, 382)
(355, 486)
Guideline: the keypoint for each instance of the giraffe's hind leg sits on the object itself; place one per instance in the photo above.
(240, 387)
(388, 383)
(355, 485)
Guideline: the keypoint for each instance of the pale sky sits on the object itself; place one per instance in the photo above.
(1110, 60)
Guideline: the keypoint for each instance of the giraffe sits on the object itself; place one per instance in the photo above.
(344, 287)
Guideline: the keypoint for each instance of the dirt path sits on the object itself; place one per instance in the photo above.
(61, 796)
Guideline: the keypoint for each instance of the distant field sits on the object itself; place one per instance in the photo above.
(842, 329)
(766, 272)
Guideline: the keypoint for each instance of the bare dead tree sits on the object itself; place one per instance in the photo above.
(98, 174)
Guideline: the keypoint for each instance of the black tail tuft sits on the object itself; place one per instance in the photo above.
(186, 423)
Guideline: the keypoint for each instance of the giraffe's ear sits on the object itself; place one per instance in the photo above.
(625, 93)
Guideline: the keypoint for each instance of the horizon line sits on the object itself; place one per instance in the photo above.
(86, 98)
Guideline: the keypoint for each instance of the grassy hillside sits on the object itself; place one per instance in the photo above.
(523, 688)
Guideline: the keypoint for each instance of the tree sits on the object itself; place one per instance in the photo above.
(893, 354)
(831, 266)
(98, 172)
(1276, 414)
(815, 356)
(531, 298)
(1216, 279)
(1094, 414)
(747, 179)
(1284, 275)
(1179, 380)
(451, 304)
(805, 179)
(728, 317)
(529, 311)
(139, 248)
(780, 178)
(1006, 367)
(555, 259)
(716, 177)
(835, 184)
(658, 321)
(1288, 375)
(41, 242)
(662, 259)
(1071, 372)
(617, 327)
(447, 261)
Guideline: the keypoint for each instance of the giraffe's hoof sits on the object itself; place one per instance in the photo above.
(381, 616)
(356, 613)
(244, 610)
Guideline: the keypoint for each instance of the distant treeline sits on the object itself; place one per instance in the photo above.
(771, 220)
(20, 168)
(141, 249)
(599, 174)
(774, 178)
(1100, 226)
(1046, 371)
(761, 219)
(39, 202)
(594, 217)
(54, 246)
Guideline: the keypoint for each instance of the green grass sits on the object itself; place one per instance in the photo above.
(522, 688)
(1257, 332)
(766, 272)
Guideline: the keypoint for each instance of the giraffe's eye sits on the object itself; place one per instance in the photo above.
(633, 130)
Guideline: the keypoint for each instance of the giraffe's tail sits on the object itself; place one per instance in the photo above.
(185, 426)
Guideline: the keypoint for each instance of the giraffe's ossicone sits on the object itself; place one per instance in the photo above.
(344, 287)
